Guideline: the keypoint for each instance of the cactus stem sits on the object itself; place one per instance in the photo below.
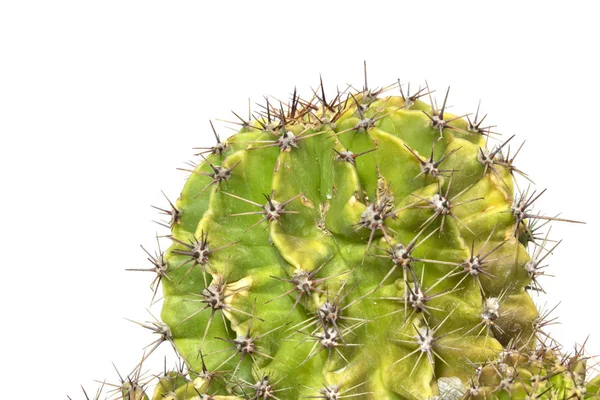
(489, 308)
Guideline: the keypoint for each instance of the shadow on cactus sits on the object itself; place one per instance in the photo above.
(367, 245)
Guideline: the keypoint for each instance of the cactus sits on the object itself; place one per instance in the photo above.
(370, 245)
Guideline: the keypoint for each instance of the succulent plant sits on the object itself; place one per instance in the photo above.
(368, 245)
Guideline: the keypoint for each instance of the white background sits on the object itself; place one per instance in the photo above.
(100, 101)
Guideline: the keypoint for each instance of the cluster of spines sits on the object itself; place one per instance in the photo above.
(327, 333)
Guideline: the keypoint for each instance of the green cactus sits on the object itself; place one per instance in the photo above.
(368, 246)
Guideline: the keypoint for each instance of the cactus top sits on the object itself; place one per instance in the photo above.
(368, 246)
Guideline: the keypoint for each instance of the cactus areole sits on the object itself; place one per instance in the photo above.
(367, 245)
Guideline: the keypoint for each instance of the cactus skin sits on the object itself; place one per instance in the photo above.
(370, 246)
